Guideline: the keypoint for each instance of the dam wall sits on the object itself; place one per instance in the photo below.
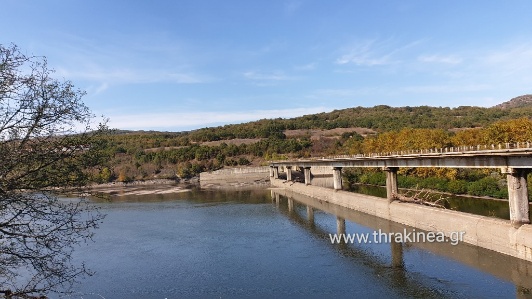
(236, 177)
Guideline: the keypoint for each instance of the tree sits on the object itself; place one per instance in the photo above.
(45, 147)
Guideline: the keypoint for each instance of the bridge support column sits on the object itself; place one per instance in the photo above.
(306, 170)
(391, 182)
(276, 172)
(310, 214)
(517, 195)
(271, 171)
(288, 173)
(340, 226)
(337, 177)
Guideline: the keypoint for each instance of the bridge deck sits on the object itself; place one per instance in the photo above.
(499, 158)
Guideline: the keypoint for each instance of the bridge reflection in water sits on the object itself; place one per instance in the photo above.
(389, 265)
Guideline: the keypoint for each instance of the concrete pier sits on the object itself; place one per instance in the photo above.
(337, 176)
(275, 172)
(307, 175)
(288, 173)
(517, 195)
(391, 182)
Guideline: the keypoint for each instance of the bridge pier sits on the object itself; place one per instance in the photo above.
(337, 177)
(517, 195)
(288, 173)
(275, 172)
(307, 172)
(391, 182)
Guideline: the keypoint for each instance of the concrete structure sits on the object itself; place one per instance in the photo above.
(236, 177)
(503, 266)
(512, 237)
(515, 161)
(495, 234)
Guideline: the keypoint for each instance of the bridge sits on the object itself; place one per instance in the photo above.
(514, 160)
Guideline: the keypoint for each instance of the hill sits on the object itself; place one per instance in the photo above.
(517, 102)
(147, 154)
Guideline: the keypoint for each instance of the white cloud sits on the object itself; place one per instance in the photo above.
(343, 92)
(272, 76)
(189, 120)
(125, 60)
(364, 54)
(446, 88)
(445, 59)
(374, 53)
(131, 76)
(511, 59)
(267, 78)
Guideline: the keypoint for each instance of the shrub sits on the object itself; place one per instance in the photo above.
(487, 186)
(457, 187)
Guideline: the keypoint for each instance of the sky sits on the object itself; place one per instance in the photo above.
(187, 64)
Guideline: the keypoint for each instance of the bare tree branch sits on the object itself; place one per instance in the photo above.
(42, 151)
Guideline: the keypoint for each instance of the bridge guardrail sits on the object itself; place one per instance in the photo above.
(459, 150)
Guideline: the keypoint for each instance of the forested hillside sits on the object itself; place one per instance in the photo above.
(147, 155)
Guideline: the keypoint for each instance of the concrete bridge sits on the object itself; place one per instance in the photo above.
(514, 160)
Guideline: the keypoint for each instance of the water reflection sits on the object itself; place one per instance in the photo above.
(398, 267)
(240, 244)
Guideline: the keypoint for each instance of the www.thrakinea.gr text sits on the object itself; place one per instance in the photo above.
(405, 236)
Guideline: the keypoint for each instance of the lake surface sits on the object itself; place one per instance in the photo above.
(241, 244)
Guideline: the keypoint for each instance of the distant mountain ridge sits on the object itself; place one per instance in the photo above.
(517, 102)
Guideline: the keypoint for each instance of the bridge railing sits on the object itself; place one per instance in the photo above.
(435, 151)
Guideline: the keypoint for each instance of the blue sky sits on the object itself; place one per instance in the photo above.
(186, 64)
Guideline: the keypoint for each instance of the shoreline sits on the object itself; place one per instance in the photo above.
(147, 187)
(168, 186)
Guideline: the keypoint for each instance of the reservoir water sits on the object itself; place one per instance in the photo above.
(241, 244)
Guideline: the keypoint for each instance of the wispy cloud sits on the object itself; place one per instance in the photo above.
(267, 78)
(122, 76)
(365, 55)
(446, 88)
(344, 92)
(373, 52)
(511, 59)
(306, 67)
(192, 120)
(123, 61)
(444, 59)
